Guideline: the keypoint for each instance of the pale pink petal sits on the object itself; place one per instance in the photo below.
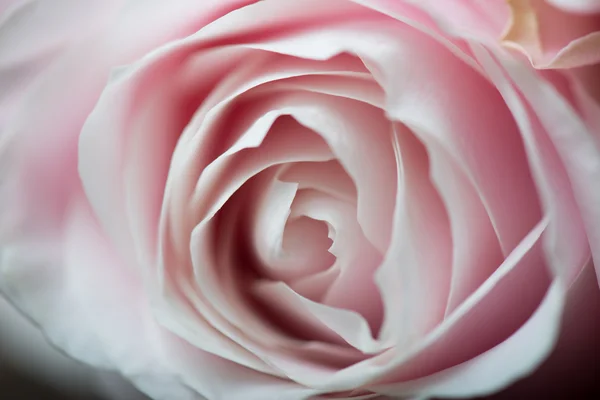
(555, 186)
(374, 225)
(108, 148)
(45, 30)
(483, 20)
(349, 325)
(366, 157)
(576, 146)
(143, 26)
(200, 323)
(329, 117)
(448, 21)
(203, 311)
(488, 316)
(269, 223)
(255, 336)
(243, 165)
(286, 248)
(202, 140)
(352, 86)
(354, 288)
(286, 142)
(328, 177)
(46, 154)
(33, 34)
(496, 368)
(278, 148)
(580, 52)
(414, 278)
(256, 118)
(217, 378)
(476, 252)
(283, 16)
(302, 364)
(267, 67)
(520, 273)
(587, 78)
(125, 156)
(264, 68)
(487, 144)
(524, 272)
(315, 286)
(26, 350)
(306, 240)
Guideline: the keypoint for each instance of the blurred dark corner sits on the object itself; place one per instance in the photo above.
(32, 369)
(19, 386)
(15, 385)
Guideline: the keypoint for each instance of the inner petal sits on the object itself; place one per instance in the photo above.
(360, 137)
(286, 249)
(305, 240)
(414, 278)
(328, 177)
(476, 251)
(354, 288)
(351, 306)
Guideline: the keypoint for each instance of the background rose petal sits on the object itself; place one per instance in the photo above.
(554, 38)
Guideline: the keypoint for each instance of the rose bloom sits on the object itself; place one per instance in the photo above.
(306, 199)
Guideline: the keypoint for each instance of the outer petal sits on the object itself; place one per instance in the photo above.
(45, 270)
(577, 146)
(218, 378)
(114, 131)
(496, 368)
(35, 33)
(482, 20)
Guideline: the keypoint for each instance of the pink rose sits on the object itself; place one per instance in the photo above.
(293, 199)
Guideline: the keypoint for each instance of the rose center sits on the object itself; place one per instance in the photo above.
(304, 239)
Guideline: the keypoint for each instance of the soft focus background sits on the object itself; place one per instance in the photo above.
(32, 369)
